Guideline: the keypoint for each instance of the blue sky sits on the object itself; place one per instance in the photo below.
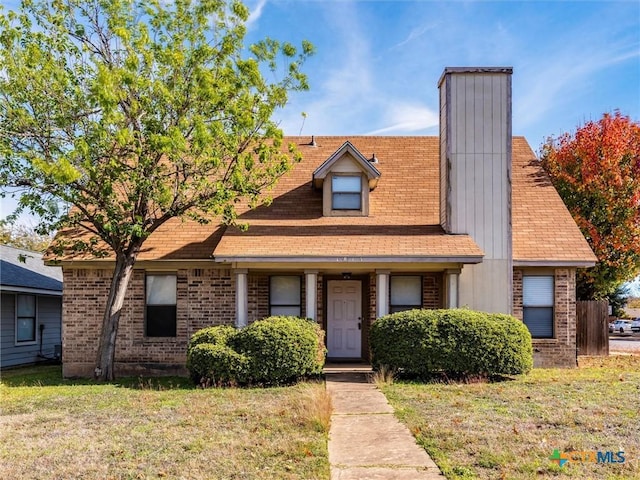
(378, 62)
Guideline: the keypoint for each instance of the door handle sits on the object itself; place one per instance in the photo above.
(359, 325)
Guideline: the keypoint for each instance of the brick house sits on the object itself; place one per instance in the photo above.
(363, 226)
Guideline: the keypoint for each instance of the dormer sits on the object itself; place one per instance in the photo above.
(346, 178)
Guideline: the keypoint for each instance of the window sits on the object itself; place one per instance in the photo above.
(284, 296)
(405, 293)
(537, 303)
(25, 318)
(161, 306)
(346, 192)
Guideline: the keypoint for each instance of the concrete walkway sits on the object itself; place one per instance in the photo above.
(366, 441)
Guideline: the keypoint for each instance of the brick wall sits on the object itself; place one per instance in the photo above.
(432, 291)
(83, 302)
(559, 351)
(204, 297)
(258, 297)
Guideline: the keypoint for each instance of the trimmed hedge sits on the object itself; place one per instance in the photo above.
(218, 335)
(215, 364)
(273, 351)
(457, 342)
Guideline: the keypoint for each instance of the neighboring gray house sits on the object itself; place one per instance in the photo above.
(30, 308)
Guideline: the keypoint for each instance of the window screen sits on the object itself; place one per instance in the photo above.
(26, 318)
(284, 295)
(405, 293)
(537, 303)
(161, 306)
(346, 192)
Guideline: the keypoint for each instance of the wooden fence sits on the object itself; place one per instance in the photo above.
(592, 336)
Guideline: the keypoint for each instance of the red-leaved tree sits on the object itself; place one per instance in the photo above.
(596, 171)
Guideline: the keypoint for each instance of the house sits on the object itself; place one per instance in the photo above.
(30, 308)
(361, 227)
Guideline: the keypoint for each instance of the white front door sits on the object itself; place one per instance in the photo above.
(344, 319)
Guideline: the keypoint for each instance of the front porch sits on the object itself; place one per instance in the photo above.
(343, 303)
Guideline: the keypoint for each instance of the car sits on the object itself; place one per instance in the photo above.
(635, 325)
(621, 326)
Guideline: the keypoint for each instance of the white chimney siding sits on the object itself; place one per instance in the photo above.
(475, 179)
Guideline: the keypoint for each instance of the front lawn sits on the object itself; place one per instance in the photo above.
(508, 430)
(163, 428)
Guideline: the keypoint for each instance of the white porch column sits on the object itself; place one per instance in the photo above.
(311, 290)
(382, 292)
(451, 288)
(242, 298)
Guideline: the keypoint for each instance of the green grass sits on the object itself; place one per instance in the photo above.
(508, 430)
(161, 428)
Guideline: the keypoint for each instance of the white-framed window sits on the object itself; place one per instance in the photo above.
(537, 305)
(160, 315)
(405, 292)
(346, 192)
(26, 319)
(285, 296)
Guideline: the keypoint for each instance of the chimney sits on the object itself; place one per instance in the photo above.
(475, 178)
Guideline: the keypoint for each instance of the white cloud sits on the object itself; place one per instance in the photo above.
(544, 88)
(256, 13)
(346, 91)
(354, 95)
(415, 33)
(409, 118)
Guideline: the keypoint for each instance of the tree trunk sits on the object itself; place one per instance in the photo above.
(119, 284)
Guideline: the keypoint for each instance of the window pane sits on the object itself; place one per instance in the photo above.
(284, 290)
(346, 201)
(346, 184)
(161, 289)
(26, 329)
(285, 311)
(537, 291)
(406, 291)
(26, 305)
(161, 320)
(539, 320)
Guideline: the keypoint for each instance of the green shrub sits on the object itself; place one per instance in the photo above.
(459, 342)
(280, 349)
(218, 335)
(216, 364)
(272, 351)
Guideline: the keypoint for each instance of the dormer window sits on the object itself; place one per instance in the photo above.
(346, 178)
(346, 192)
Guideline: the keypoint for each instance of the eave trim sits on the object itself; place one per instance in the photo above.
(35, 291)
(471, 259)
(554, 263)
(321, 172)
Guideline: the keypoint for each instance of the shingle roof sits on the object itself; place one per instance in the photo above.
(32, 273)
(403, 209)
(543, 229)
(403, 213)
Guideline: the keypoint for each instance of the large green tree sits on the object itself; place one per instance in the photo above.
(130, 113)
(596, 171)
